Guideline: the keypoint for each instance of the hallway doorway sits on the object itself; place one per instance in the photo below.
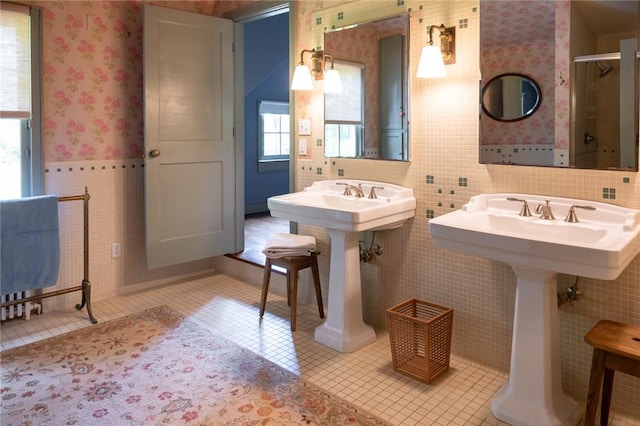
(266, 78)
(257, 228)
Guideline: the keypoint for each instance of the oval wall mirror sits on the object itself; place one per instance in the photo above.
(510, 97)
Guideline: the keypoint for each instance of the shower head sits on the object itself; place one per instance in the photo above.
(604, 70)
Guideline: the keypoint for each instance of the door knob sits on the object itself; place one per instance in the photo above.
(154, 153)
(589, 138)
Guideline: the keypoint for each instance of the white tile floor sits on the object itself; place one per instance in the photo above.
(365, 377)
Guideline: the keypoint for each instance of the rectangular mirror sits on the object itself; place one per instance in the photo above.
(603, 111)
(370, 118)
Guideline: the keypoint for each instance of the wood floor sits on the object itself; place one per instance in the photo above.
(257, 228)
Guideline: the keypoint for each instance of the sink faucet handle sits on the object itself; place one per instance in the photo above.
(347, 188)
(524, 211)
(572, 217)
(372, 193)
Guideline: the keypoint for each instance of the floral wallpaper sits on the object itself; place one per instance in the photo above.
(93, 77)
(502, 51)
(534, 60)
(521, 20)
(562, 78)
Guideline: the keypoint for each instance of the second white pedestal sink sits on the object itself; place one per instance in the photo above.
(601, 245)
(325, 204)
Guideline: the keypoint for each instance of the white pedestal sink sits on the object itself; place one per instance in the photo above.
(600, 246)
(344, 216)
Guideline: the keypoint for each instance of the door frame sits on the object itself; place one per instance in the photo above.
(241, 16)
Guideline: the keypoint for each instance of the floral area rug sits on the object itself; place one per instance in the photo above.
(157, 367)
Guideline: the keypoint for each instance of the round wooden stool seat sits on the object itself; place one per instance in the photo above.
(616, 347)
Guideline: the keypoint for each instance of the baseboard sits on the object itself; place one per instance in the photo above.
(256, 208)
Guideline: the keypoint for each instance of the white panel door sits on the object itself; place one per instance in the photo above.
(189, 142)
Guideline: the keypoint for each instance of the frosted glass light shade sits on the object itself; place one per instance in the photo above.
(302, 78)
(431, 64)
(332, 82)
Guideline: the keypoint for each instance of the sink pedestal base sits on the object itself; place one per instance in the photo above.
(533, 394)
(344, 329)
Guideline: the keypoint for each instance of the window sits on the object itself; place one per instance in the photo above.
(273, 131)
(21, 155)
(344, 113)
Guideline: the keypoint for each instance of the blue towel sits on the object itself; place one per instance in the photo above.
(29, 243)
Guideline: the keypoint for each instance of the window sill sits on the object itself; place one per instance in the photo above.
(273, 166)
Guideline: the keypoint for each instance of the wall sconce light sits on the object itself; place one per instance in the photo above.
(302, 79)
(433, 59)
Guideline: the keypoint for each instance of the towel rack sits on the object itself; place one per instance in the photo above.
(85, 287)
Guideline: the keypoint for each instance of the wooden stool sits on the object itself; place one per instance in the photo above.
(616, 346)
(292, 264)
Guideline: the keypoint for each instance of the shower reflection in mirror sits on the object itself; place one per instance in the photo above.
(605, 112)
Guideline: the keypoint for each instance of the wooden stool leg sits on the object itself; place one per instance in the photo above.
(288, 287)
(607, 389)
(265, 285)
(316, 284)
(294, 297)
(595, 381)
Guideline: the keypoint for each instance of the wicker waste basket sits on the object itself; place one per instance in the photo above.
(420, 334)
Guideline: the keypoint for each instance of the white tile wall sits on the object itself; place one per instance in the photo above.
(444, 135)
(116, 214)
(444, 145)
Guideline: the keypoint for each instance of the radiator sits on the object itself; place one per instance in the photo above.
(21, 309)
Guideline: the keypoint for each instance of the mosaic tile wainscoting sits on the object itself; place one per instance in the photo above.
(444, 172)
(116, 215)
(517, 154)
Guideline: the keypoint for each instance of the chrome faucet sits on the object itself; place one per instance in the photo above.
(572, 217)
(544, 210)
(525, 207)
(357, 190)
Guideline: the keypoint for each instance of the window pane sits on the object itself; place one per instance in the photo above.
(15, 61)
(10, 176)
(341, 140)
(271, 122)
(21, 162)
(273, 132)
(347, 105)
(275, 135)
(331, 140)
(348, 140)
(271, 144)
(284, 144)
